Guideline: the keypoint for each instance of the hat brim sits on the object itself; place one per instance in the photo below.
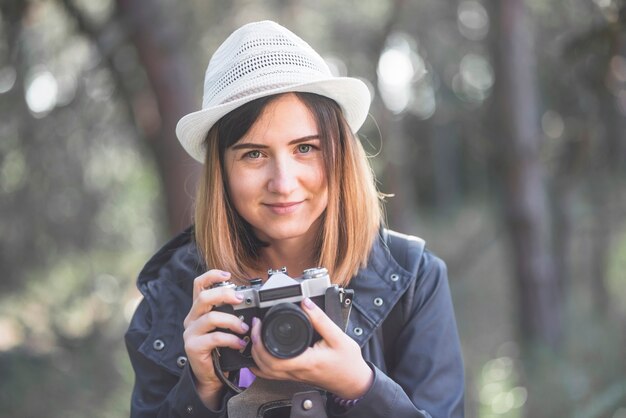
(351, 94)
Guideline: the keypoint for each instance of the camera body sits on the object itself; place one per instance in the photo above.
(286, 331)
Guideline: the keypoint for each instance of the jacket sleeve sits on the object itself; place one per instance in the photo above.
(157, 391)
(427, 380)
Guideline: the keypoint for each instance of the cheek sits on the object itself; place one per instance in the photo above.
(240, 189)
(319, 180)
(319, 185)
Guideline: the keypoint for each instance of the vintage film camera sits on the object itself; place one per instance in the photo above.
(286, 331)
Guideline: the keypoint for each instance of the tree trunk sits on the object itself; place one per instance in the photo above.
(607, 170)
(395, 174)
(158, 45)
(524, 199)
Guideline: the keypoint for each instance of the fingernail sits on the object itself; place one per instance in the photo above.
(245, 327)
(308, 303)
(224, 274)
(239, 296)
(255, 321)
(243, 343)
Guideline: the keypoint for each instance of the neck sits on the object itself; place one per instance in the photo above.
(296, 255)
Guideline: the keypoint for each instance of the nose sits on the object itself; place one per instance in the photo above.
(283, 177)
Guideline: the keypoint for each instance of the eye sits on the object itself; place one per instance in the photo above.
(304, 148)
(253, 154)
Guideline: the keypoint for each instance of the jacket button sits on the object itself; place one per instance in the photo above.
(189, 410)
(378, 302)
(394, 277)
(358, 331)
(158, 345)
(181, 361)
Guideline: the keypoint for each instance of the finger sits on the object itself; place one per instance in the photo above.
(209, 299)
(216, 319)
(259, 353)
(208, 279)
(325, 327)
(272, 367)
(255, 333)
(202, 345)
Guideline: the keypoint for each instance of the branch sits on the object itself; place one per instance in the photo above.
(99, 37)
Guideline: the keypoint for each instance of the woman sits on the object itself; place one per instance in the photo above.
(287, 183)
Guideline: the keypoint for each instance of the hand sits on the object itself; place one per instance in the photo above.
(333, 363)
(200, 336)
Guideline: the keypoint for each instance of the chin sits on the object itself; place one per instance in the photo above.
(284, 235)
(286, 232)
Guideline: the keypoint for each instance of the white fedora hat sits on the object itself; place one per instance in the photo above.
(261, 59)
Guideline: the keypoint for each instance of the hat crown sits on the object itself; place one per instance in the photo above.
(257, 57)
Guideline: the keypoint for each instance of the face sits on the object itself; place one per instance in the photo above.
(276, 174)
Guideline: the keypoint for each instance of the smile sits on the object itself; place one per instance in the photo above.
(283, 208)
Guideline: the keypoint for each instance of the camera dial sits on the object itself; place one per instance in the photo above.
(314, 273)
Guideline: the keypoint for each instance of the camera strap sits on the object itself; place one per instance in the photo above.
(346, 306)
(276, 398)
(339, 312)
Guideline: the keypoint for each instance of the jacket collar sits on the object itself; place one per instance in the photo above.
(377, 289)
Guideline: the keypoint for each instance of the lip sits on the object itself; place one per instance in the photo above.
(283, 208)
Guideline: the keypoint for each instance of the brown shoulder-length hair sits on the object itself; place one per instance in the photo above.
(350, 222)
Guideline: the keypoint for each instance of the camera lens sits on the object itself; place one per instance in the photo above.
(286, 331)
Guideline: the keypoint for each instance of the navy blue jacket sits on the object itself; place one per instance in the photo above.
(422, 376)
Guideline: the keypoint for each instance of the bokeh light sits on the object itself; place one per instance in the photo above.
(13, 171)
(475, 78)
(603, 3)
(500, 395)
(399, 67)
(552, 124)
(473, 20)
(41, 92)
(8, 75)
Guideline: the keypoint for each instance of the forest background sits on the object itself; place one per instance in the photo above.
(497, 125)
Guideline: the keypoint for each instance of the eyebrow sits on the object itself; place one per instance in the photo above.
(248, 145)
